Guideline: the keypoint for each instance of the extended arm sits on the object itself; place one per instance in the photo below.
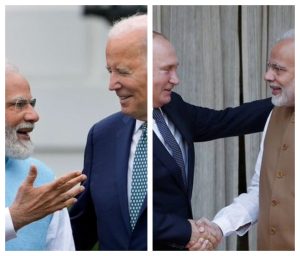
(32, 203)
(243, 212)
(208, 124)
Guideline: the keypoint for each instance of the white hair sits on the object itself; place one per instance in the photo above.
(290, 34)
(128, 24)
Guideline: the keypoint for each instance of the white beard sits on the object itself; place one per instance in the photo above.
(286, 98)
(15, 148)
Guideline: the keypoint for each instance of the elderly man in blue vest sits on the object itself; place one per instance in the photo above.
(35, 214)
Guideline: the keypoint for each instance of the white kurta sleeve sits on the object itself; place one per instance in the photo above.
(10, 232)
(243, 212)
(59, 236)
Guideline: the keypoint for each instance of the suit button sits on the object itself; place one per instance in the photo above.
(284, 147)
(280, 174)
(273, 231)
(274, 202)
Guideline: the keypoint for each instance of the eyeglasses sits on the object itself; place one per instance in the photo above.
(21, 103)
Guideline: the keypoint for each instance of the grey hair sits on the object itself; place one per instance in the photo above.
(290, 34)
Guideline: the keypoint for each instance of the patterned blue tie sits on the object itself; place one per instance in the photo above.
(139, 177)
(170, 141)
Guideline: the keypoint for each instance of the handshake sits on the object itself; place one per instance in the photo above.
(206, 235)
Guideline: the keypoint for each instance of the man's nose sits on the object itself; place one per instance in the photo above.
(114, 83)
(269, 75)
(31, 115)
(174, 79)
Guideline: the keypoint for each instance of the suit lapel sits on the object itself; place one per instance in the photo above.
(175, 116)
(122, 144)
(161, 153)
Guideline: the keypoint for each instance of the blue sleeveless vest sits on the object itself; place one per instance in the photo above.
(31, 237)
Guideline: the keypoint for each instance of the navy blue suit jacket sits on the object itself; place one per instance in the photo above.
(171, 199)
(101, 212)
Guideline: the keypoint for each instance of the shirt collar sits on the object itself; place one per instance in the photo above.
(138, 125)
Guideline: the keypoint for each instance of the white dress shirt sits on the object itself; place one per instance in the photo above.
(59, 235)
(243, 212)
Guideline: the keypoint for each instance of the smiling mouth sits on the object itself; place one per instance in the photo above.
(124, 97)
(168, 91)
(23, 133)
(275, 89)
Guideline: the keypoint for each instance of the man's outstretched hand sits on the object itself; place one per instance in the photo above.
(32, 203)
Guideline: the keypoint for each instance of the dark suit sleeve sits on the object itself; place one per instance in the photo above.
(82, 214)
(171, 230)
(208, 124)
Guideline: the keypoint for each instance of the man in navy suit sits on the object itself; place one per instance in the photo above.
(173, 224)
(104, 211)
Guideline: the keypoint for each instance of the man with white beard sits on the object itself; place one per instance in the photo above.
(270, 199)
(35, 214)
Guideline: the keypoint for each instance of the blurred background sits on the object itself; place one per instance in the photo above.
(61, 52)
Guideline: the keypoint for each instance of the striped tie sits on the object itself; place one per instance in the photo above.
(170, 141)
